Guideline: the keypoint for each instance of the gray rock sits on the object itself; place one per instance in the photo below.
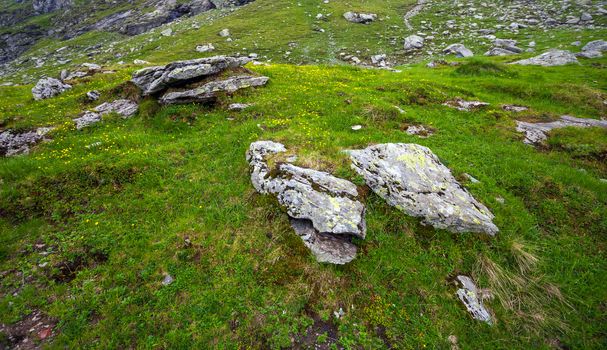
(224, 33)
(498, 51)
(411, 178)
(155, 79)
(325, 247)
(471, 296)
(12, 143)
(46, 6)
(168, 279)
(327, 204)
(515, 108)
(125, 108)
(363, 18)
(87, 119)
(205, 48)
(207, 93)
(414, 42)
(48, 87)
(458, 50)
(550, 58)
(589, 54)
(536, 133)
(418, 130)
(464, 105)
(504, 43)
(239, 106)
(596, 45)
(93, 95)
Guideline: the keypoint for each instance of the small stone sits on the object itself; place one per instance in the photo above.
(93, 95)
(168, 279)
(356, 127)
(224, 33)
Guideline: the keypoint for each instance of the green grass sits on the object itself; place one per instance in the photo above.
(121, 210)
(122, 203)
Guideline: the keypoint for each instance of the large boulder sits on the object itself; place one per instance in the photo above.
(326, 209)
(413, 42)
(208, 92)
(363, 18)
(155, 79)
(536, 133)
(458, 50)
(49, 87)
(550, 58)
(411, 178)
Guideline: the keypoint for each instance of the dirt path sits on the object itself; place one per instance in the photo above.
(413, 12)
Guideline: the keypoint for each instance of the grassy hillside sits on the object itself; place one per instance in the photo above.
(92, 222)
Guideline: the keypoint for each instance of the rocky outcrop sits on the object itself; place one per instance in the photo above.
(411, 178)
(46, 6)
(124, 108)
(550, 58)
(208, 92)
(49, 87)
(12, 143)
(458, 50)
(472, 298)
(14, 44)
(363, 18)
(536, 133)
(326, 209)
(152, 80)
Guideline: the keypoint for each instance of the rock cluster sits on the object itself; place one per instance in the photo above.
(49, 87)
(536, 133)
(411, 178)
(325, 210)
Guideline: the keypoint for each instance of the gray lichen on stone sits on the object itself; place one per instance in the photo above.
(411, 178)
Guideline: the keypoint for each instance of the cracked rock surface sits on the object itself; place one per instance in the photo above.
(327, 204)
(536, 133)
(411, 178)
(152, 80)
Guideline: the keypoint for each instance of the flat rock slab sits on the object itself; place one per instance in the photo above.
(549, 59)
(515, 108)
(536, 133)
(463, 105)
(152, 80)
(363, 18)
(411, 178)
(470, 296)
(327, 204)
(49, 87)
(208, 92)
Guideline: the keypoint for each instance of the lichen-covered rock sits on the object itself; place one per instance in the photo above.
(411, 178)
(208, 92)
(88, 118)
(471, 297)
(549, 59)
(155, 79)
(363, 18)
(49, 87)
(12, 143)
(536, 133)
(596, 45)
(330, 204)
(458, 50)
